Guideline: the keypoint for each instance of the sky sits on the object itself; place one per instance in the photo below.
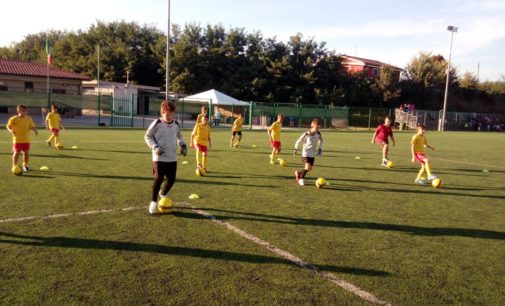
(391, 31)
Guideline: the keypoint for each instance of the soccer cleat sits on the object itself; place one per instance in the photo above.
(301, 182)
(431, 177)
(272, 162)
(153, 207)
(420, 182)
(26, 168)
(48, 143)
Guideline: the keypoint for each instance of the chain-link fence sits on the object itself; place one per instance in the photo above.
(139, 110)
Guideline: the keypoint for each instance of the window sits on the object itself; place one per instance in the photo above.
(28, 86)
(59, 91)
(375, 72)
(4, 88)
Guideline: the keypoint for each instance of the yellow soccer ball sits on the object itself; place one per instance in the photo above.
(16, 170)
(283, 162)
(165, 205)
(59, 146)
(390, 164)
(321, 183)
(436, 183)
(200, 172)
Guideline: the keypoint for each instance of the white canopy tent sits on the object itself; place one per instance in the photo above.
(215, 97)
(219, 104)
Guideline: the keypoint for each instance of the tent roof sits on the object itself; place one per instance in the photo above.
(217, 97)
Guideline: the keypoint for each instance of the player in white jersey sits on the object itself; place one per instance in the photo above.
(310, 140)
(163, 136)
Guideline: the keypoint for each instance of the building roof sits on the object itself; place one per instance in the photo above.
(13, 67)
(360, 61)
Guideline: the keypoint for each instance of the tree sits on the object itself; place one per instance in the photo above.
(387, 85)
(427, 70)
(469, 81)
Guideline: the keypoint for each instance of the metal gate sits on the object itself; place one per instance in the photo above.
(122, 111)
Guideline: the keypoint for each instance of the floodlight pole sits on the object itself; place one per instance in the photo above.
(167, 76)
(453, 30)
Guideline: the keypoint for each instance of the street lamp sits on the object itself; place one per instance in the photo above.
(453, 30)
(168, 54)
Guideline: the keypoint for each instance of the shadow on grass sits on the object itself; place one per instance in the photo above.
(412, 188)
(480, 171)
(65, 156)
(88, 175)
(118, 151)
(82, 243)
(424, 189)
(409, 229)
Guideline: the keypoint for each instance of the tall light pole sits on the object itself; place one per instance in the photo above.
(453, 30)
(167, 76)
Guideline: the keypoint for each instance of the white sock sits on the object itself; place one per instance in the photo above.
(153, 207)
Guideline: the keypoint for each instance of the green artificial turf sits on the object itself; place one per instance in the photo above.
(372, 226)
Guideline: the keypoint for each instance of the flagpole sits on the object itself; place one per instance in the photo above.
(167, 72)
(48, 77)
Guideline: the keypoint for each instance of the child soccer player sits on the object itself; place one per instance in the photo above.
(310, 139)
(200, 140)
(274, 134)
(19, 126)
(236, 130)
(53, 122)
(163, 136)
(203, 112)
(381, 136)
(419, 143)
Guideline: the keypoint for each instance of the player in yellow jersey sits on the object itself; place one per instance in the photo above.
(274, 134)
(53, 123)
(200, 140)
(418, 144)
(203, 112)
(236, 130)
(19, 126)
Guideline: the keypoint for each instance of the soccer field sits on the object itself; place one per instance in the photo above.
(80, 232)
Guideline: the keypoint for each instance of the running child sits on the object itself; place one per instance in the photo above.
(200, 140)
(19, 126)
(236, 130)
(381, 137)
(310, 140)
(53, 123)
(274, 134)
(418, 144)
(163, 136)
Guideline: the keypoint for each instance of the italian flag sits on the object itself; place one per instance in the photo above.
(49, 52)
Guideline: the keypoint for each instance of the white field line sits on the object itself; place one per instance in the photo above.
(91, 212)
(435, 158)
(272, 248)
(296, 260)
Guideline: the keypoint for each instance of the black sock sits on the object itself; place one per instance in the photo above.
(303, 172)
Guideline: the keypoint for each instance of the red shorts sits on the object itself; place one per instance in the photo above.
(200, 147)
(382, 141)
(420, 157)
(55, 131)
(276, 145)
(21, 147)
